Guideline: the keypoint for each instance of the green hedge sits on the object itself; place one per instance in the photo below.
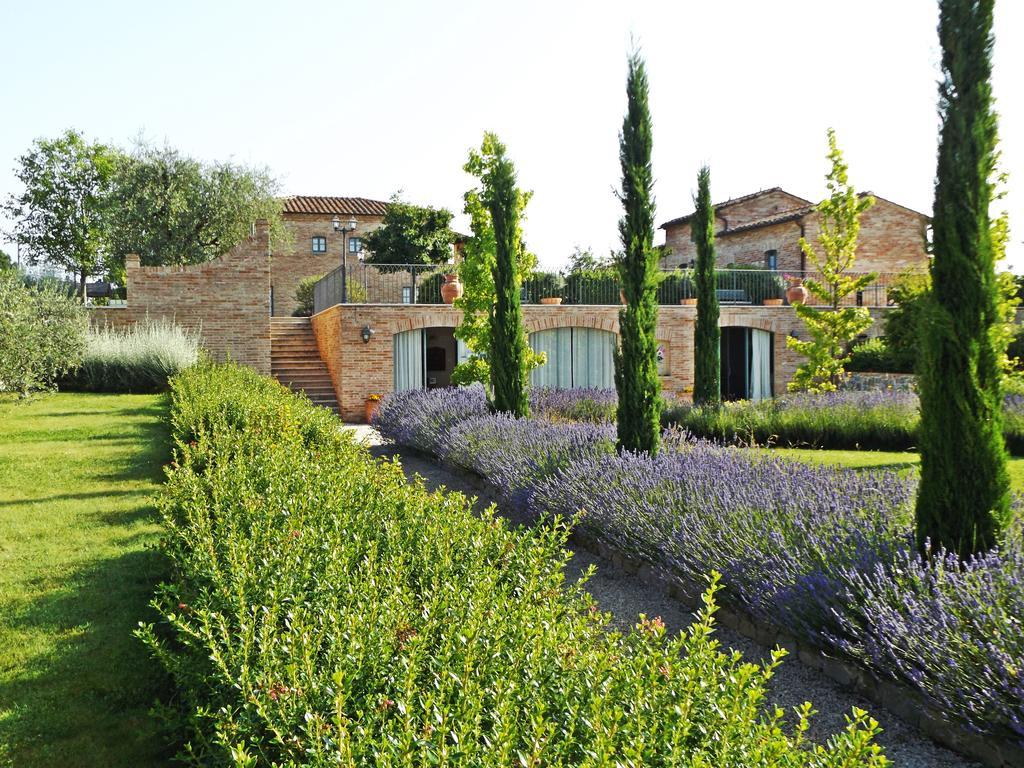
(326, 612)
(876, 356)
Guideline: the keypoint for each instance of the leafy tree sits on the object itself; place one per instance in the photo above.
(964, 499)
(707, 365)
(42, 333)
(61, 215)
(581, 260)
(476, 270)
(411, 234)
(910, 295)
(507, 354)
(5, 261)
(172, 209)
(636, 356)
(903, 322)
(832, 329)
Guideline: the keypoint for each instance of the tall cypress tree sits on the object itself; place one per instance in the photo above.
(963, 503)
(707, 363)
(508, 338)
(636, 357)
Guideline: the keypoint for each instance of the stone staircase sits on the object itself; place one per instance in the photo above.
(295, 360)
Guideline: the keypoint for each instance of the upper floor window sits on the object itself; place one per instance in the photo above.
(319, 245)
(771, 259)
(355, 245)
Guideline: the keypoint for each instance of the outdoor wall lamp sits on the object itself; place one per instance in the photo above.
(366, 333)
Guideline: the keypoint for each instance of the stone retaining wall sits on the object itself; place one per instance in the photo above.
(865, 381)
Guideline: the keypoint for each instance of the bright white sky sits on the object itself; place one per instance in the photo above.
(365, 98)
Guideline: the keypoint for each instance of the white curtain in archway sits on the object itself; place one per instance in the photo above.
(409, 360)
(760, 379)
(461, 351)
(592, 361)
(577, 357)
(557, 345)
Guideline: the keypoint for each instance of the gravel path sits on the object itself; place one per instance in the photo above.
(625, 596)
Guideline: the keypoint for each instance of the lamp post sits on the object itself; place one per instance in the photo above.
(344, 228)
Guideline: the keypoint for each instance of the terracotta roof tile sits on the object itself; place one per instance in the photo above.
(340, 206)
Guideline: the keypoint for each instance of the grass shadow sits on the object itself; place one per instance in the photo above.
(98, 661)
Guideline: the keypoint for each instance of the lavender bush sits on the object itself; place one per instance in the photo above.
(589, 404)
(873, 420)
(827, 553)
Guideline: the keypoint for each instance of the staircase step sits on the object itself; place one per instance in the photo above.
(295, 361)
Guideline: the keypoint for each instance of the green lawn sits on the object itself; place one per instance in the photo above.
(881, 459)
(77, 569)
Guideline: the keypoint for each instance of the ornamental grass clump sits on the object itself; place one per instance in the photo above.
(141, 358)
(326, 612)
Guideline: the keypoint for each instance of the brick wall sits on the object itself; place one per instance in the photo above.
(297, 260)
(359, 369)
(226, 300)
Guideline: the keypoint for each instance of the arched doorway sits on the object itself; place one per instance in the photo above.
(748, 363)
(577, 357)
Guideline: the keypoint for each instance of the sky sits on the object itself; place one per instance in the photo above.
(366, 99)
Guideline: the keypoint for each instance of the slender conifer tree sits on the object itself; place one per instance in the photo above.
(707, 362)
(963, 502)
(636, 357)
(508, 338)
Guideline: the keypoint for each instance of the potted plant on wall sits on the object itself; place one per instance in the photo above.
(371, 406)
(548, 287)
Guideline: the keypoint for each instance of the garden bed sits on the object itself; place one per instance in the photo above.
(826, 553)
(325, 611)
(885, 420)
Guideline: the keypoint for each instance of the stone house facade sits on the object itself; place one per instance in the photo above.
(314, 248)
(763, 229)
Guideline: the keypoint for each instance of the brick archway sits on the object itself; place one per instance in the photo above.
(595, 318)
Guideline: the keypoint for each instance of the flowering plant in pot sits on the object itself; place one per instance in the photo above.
(371, 406)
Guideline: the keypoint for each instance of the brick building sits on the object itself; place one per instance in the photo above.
(763, 229)
(315, 248)
(393, 334)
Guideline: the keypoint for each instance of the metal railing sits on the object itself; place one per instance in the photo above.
(421, 284)
(380, 284)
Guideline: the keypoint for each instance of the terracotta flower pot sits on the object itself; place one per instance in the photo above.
(551, 300)
(451, 289)
(772, 302)
(688, 302)
(797, 293)
(370, 408)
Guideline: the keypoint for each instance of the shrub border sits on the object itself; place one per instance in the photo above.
(903, 701)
